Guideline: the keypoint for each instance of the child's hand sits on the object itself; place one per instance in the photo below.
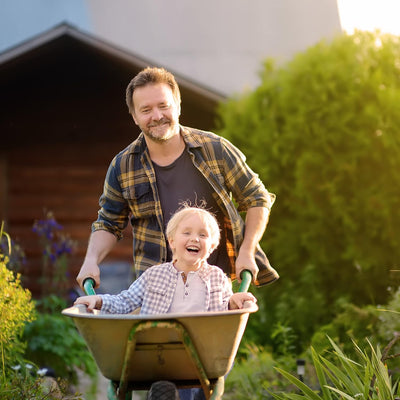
(92, 302)
(237, 299)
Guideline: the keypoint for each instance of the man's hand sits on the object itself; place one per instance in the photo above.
(246, 261)
(100, 244)
(89, 270)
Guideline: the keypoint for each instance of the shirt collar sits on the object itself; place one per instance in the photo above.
(191, 140)
(139, 145)
(204, 271)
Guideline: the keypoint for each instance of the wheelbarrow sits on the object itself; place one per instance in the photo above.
(191, 350)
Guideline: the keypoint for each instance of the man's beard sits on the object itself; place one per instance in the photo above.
(171, 131)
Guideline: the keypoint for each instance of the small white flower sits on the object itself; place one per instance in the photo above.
(16, 367)
(42, 371)
(28, 366)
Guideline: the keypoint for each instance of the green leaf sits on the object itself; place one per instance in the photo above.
(343, 394)
(302, 386)
(321, 375)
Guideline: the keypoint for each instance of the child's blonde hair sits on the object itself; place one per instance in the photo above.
(205, 215)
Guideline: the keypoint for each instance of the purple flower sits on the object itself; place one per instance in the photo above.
(46, 228)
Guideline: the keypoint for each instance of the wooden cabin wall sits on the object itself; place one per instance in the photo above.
(63, 119)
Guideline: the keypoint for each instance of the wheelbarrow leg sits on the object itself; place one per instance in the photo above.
(112, 391)
(218, 390)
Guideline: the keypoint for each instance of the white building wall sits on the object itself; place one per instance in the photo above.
(218, 43)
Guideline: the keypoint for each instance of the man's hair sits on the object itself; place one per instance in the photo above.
(206, 216)
(151, 76)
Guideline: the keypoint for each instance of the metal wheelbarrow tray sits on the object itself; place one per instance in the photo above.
(187, 349)
(134, 351)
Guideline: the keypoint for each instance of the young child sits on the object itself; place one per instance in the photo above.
(188, 283)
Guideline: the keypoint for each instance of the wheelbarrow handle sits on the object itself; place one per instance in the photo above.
(88, 286)
(246, 275)
(247, 278)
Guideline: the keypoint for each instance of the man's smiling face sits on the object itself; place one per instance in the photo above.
(156, 112)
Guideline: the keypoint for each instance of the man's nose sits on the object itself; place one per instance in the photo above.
(157, 114)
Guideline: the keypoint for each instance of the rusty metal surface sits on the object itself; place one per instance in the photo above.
(159, 352)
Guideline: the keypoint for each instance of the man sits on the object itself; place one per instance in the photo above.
(167, 165)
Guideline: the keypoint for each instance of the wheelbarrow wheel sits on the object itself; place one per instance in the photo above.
(163, 390)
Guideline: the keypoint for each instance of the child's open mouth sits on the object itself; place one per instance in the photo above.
(192, 249)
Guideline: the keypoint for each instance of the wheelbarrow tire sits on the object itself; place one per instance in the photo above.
(163, 390)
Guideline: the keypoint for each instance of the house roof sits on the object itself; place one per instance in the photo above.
(23, 52)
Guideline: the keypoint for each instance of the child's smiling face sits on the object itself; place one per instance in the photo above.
(192, 242)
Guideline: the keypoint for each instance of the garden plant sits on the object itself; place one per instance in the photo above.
(323, 132)
(35, 339)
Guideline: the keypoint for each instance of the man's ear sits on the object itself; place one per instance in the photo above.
(134, 119)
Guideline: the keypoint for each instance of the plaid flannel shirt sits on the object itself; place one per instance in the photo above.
(154, 290)
(130, 193)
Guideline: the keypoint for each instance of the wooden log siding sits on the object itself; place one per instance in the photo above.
(68, 189)
(63, 119)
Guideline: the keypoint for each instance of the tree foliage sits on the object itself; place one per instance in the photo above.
(323, 132)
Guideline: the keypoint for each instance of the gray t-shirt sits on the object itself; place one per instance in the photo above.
(182, 182)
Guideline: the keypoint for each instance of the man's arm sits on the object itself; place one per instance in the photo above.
(100, 244)
(255, 224)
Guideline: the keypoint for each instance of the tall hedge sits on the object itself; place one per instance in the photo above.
(323, 132)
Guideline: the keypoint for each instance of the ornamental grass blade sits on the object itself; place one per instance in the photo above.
(310, 394)
(319, 369)
(383, 382)
(285, 396)
(354, 372)
(340, 378)
(343, 394)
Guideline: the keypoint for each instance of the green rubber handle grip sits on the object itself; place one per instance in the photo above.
(88, 286)
(247, 278)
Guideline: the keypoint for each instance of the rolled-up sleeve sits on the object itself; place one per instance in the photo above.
(114, 209)
(245, 185)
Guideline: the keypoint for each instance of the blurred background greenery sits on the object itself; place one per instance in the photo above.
(323, 132)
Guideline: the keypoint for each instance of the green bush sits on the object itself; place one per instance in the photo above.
(323, 132)
(37, 332)
(389, 320)
(16, 309)
(54, 342)
(27, 382)
(375, 324)
(19, 380)
(253, 373)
